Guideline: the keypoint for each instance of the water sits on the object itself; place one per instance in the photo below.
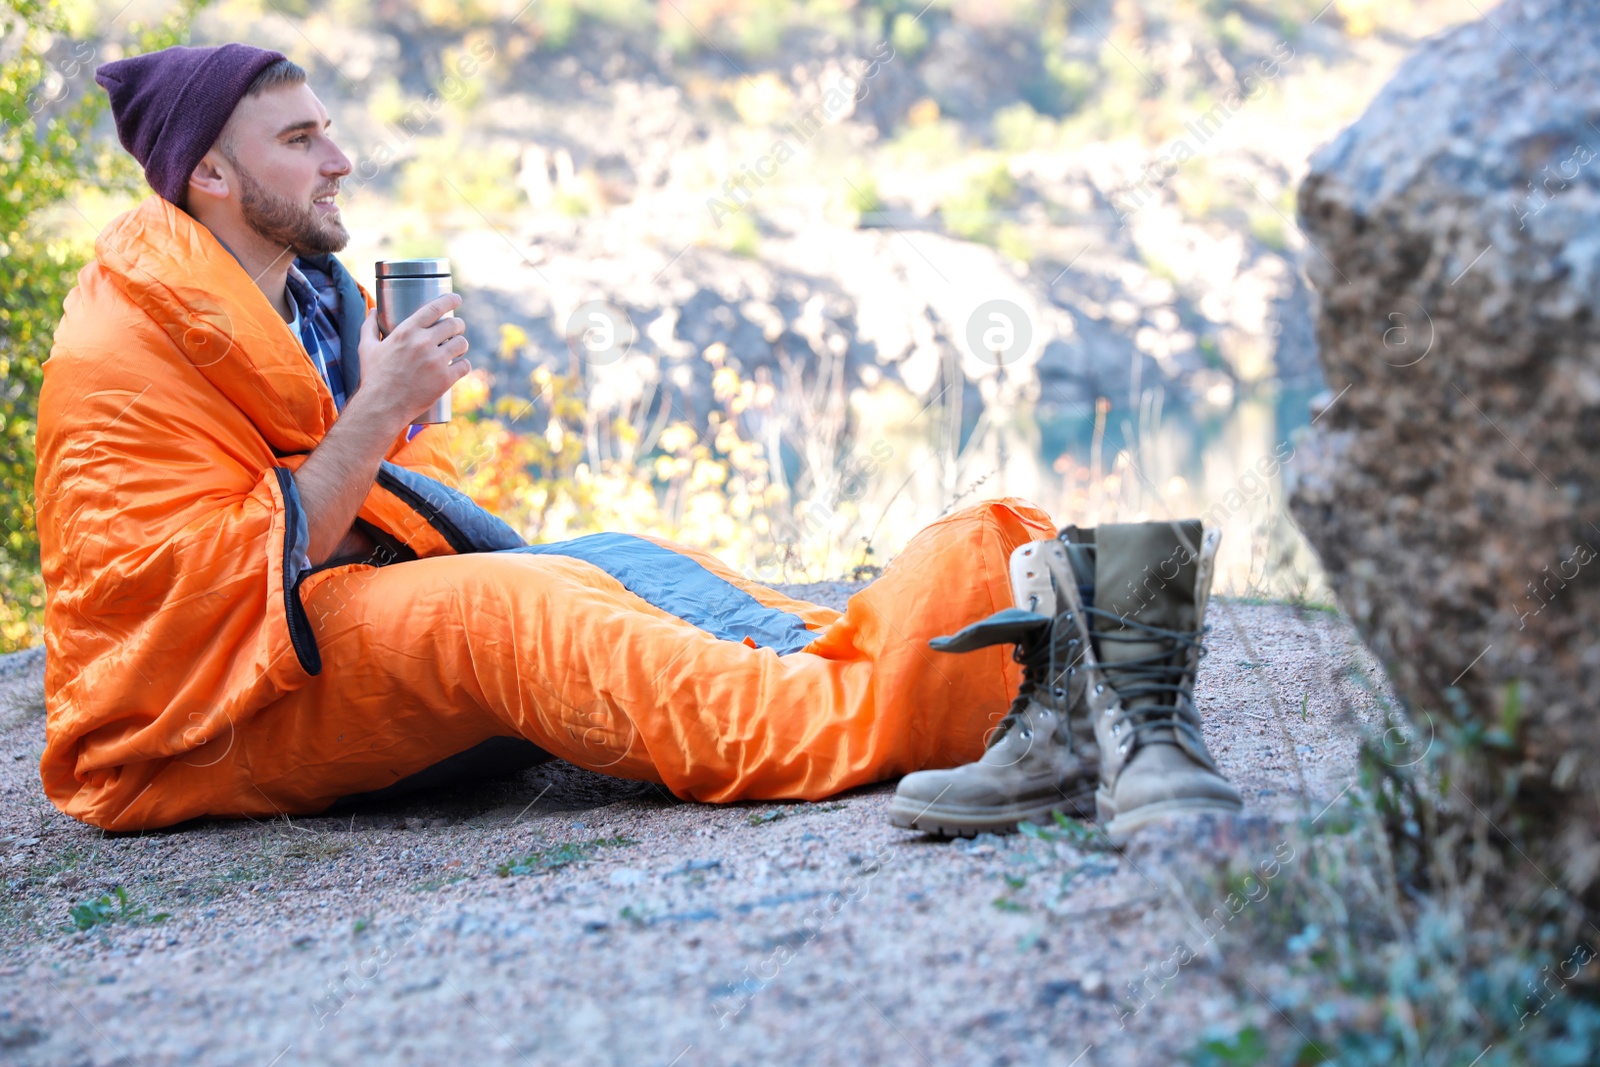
(1083, 464)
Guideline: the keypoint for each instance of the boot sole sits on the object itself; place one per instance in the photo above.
(947, 822)
(1119, 828)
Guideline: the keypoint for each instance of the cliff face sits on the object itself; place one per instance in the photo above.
(1118, 176)
(1453, 494)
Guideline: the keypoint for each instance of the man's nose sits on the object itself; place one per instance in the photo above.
(339, 164)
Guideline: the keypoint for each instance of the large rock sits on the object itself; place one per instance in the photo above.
(1451, 488)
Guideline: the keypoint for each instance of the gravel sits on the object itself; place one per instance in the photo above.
(651, 931)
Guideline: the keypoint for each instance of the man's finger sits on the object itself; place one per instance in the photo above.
(435, 309)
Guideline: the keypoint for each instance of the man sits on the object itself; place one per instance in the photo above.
(265, 593)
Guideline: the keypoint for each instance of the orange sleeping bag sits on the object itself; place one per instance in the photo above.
(196, 666)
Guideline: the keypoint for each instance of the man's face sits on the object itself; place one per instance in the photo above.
(287, 169)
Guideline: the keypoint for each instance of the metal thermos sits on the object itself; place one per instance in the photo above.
(404, 285)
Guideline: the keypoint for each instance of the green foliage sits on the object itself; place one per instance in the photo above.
(623, 13)
(1380, 946)
(1066, 86)
(758, 28)
(1243, 1049)
(1270, 229)
(862, 195)
(1013, 243)
(752, 28)
(448, 178)
(555, 21)
(908, 35)
(973, 213)
(109, 909)
(412, 245)
(1075, 832)
(1005, 902)
(49, 105)
(1439, 994)
(557, 856)
(758, 818)
(1018, 127)
(572, 205)
(743, 235)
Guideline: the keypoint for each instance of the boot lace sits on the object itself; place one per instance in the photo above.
(1167, 674)
(1040, 674)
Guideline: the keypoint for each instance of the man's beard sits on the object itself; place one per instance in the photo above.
(298, 227)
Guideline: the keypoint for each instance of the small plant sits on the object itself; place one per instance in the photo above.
(1270, 229)
(1007, 901)
(1013, 242)
(744, 236)
(972, 213)
(1243, 1049)
(1074, 832)
(908, 35)
(1069, 85)
(1366, 969)
(558, 856)
(318, 846)
(113, 907)
(433, 885)
(774, 814)
(863, 196)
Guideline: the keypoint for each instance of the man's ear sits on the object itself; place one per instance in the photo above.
(208, 178)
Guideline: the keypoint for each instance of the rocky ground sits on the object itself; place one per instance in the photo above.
(632, 928)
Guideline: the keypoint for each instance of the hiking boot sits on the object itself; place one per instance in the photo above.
(1032, 765)
(1141, 627)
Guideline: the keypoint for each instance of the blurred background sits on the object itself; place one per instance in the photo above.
(787, 280)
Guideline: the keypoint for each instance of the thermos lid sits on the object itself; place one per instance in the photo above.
(413, 268)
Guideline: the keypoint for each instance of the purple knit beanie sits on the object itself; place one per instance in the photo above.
(170, 106)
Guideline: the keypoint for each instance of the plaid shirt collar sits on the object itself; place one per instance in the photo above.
(317, 299)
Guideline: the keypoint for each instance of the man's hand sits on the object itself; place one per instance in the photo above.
(415, 365)
(401, 374)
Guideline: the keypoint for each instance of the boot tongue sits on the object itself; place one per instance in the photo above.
(1146, 571)
(1080, 559)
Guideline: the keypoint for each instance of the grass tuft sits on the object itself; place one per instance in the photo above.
(113, 907)
(558, 856)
